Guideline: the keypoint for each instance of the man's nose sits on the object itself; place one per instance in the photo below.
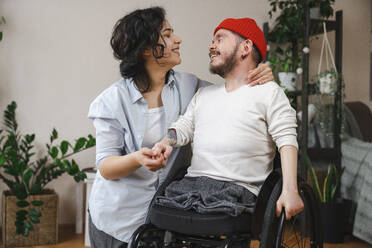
(211, 47)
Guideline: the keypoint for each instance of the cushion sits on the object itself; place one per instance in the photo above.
(193, 223)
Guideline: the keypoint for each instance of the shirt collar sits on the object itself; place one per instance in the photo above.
(136, 94)
(171, 78)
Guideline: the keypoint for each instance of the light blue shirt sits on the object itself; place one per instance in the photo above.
(119, 207)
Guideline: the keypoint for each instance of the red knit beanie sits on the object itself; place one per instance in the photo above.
(247, 28)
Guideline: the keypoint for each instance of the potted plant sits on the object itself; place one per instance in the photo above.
(321, 8)
(284, 65)
(332, 208)
(28, 206)
(288, 31)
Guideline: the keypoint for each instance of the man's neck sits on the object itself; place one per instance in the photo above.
(238, 76)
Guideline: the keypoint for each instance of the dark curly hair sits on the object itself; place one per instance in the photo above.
(135, 32)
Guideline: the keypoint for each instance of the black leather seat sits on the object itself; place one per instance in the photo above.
(193, 223)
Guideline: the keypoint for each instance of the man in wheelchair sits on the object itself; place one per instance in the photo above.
(235, 130)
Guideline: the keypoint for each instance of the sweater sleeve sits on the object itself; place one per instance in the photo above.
(185, 124)
(281, 120)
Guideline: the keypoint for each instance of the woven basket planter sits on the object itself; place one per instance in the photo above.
(45, 232)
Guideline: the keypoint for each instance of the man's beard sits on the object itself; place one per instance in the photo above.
(226, 67)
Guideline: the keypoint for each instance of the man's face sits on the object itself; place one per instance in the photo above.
(223, 52)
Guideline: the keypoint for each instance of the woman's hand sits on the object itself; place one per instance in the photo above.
(164, 149)
(292, 203)
(148, 159)
(260, 75)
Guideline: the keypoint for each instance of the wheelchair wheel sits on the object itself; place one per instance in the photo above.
(302, 230)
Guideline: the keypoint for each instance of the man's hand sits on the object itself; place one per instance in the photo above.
(260, 75)
(163, 149)
(149, 160)
(292, 203)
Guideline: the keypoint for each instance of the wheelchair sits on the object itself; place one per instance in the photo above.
(173, 228)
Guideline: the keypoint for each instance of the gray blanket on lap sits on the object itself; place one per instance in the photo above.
(207, 195)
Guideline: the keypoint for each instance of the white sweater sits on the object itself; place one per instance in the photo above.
(235, 133)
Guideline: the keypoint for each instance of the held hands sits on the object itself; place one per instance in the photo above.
(163, 149)
(260, 75)
(155, 158)
(292, 203)
(146, 157)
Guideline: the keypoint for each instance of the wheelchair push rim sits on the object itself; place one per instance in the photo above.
(300, 231)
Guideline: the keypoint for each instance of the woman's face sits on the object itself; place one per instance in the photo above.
(171, 43)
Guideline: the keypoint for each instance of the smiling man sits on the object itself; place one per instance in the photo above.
(236, 130)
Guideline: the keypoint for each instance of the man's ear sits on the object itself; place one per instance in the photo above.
(247, 48)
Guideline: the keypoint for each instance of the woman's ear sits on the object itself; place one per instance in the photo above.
(147, 52)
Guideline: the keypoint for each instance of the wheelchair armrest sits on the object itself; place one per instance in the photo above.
(262, 199)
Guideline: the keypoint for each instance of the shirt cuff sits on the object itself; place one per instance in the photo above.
(287, 140)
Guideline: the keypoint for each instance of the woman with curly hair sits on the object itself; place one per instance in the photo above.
(131, 116)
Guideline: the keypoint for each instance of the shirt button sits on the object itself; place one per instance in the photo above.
(139, 136)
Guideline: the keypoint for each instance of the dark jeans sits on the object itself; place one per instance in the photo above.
(99, 239)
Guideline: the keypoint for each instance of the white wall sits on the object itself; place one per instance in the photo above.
(55, 59)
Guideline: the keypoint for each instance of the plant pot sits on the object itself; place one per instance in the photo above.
(327, 83)
(288, 80)
(350, 208)
(45, 232)
(333, 220)
(315, 13)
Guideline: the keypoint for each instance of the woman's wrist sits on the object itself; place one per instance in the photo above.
(136, 158)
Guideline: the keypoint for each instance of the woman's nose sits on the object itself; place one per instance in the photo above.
(178, 39)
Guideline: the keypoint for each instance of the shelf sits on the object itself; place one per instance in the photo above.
(329, 155)
(331, 26)
(311, 91)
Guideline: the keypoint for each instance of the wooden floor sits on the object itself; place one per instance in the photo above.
(68, 239)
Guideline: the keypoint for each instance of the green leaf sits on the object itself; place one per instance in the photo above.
(29, 225)
(91, 141)
(36, 188)
(20, 222)
(54, 135)
(313, 176)
(3, 19)
(1, 36)
(34, 219)
(37, 203)
(27, 174)
(74, 167)
(80, 144)
(21, 195)
(2, 159)
(54, 152)
(30, 138)
(26, 232)
(64, 147)
(22, 204)
(328, 182)
(20, 229)
(35, 212)
(21, 213)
